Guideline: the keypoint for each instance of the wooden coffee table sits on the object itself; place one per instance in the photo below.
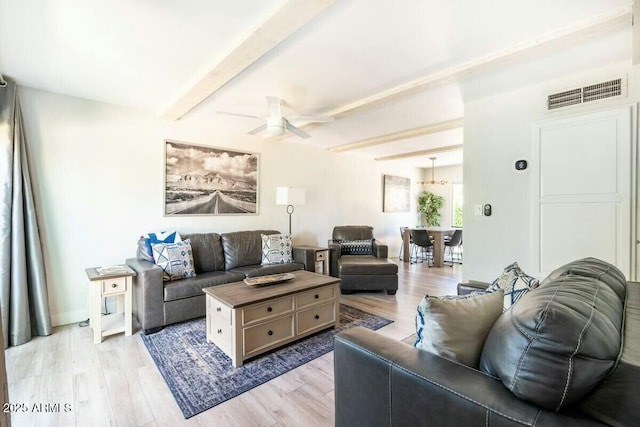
(245, 321)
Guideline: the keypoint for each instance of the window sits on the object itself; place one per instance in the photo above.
(456, 192)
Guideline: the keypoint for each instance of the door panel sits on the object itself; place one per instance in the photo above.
(565, 239)
(582, 190)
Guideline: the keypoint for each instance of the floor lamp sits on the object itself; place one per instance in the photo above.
(290, 196)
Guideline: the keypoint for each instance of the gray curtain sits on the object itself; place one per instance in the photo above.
(23, 288)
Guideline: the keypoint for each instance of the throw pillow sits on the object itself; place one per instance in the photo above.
(276, 249)
(515, 283)
(142, 253)
(175, 259)
(455, 327)
(156, 237)
(356, 247)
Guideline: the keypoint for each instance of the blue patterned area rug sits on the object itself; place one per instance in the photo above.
(201, 376)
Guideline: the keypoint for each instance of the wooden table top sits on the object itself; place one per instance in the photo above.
(238, 294)
(95, 273)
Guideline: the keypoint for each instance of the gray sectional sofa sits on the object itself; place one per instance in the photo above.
(218, 258)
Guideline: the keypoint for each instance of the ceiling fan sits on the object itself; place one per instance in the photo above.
(276, 124)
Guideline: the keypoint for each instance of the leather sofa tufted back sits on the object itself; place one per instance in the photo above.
(242, 248)
(207, 252)
(561, 339)
(353, 232)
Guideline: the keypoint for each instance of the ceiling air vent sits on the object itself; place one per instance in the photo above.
(564, 99)
(586, 94)
(602, 90)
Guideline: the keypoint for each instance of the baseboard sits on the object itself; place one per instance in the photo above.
(59, 319)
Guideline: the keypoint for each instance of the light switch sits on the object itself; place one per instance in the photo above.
(477, 210)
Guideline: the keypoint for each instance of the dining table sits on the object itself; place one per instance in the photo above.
(438, 234)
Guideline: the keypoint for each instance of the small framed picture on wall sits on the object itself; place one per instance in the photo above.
(396, 194)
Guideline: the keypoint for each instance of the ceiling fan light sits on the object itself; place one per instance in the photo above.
(275, 130)
(275, 126)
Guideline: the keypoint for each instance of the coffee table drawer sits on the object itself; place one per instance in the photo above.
(316, 317)
(315, 296)
(256, 338)
(219, 332)
(257, 313)
(217, 308)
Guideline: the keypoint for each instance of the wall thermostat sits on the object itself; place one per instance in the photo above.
(521, 165)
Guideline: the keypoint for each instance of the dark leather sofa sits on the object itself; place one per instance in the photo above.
(361, 271)
(382, 382)
(218, 258)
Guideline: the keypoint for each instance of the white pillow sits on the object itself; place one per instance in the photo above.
(175, 259)
(158, 237)
(515, 283)
(276, 249)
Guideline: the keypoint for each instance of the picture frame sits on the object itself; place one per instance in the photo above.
(204, 180)
(396, 194)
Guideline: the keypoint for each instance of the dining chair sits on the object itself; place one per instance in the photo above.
(454, 243)
(411, 245)
(423, 244)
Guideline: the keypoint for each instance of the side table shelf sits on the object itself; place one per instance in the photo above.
(108, 282)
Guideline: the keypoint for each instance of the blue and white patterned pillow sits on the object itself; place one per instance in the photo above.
(156, 237)
(276, 249)
(175, 259)
(356, 247)
(515, 283)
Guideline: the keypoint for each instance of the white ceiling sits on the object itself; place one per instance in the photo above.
(147, 54)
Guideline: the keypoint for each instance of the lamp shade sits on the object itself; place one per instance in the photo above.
(290, 196)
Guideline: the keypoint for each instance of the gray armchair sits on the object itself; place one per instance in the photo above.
(361, 262)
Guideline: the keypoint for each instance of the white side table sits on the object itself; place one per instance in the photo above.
(320, 258)
(107, 282)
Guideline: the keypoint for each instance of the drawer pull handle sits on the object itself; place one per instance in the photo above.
(219, 331)
(269, 309)
(317, 317)
(270, 333)
(317, 296)
(114, 285)
(218, 309)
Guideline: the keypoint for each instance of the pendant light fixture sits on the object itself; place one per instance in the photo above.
(433, 175)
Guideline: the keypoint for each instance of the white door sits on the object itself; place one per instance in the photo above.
(582, 178)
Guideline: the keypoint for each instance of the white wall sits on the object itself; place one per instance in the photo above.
(498, 130)
(98, 181)
(452, 174)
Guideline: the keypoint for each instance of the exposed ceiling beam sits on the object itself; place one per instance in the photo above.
(422, 152)
(405, 134)
(635, 41)
(278, 27)
(551, 41)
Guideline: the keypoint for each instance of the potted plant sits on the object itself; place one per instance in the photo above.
(429, 205)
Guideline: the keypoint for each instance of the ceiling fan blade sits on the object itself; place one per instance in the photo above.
(239, 115)
(258, 129)
(313, 119)
(297, 131)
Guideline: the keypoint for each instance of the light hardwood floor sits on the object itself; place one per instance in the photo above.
(116, 383)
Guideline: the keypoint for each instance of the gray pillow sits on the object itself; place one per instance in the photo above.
(455, 327)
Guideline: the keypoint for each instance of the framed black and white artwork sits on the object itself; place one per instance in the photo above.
(202, 180)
